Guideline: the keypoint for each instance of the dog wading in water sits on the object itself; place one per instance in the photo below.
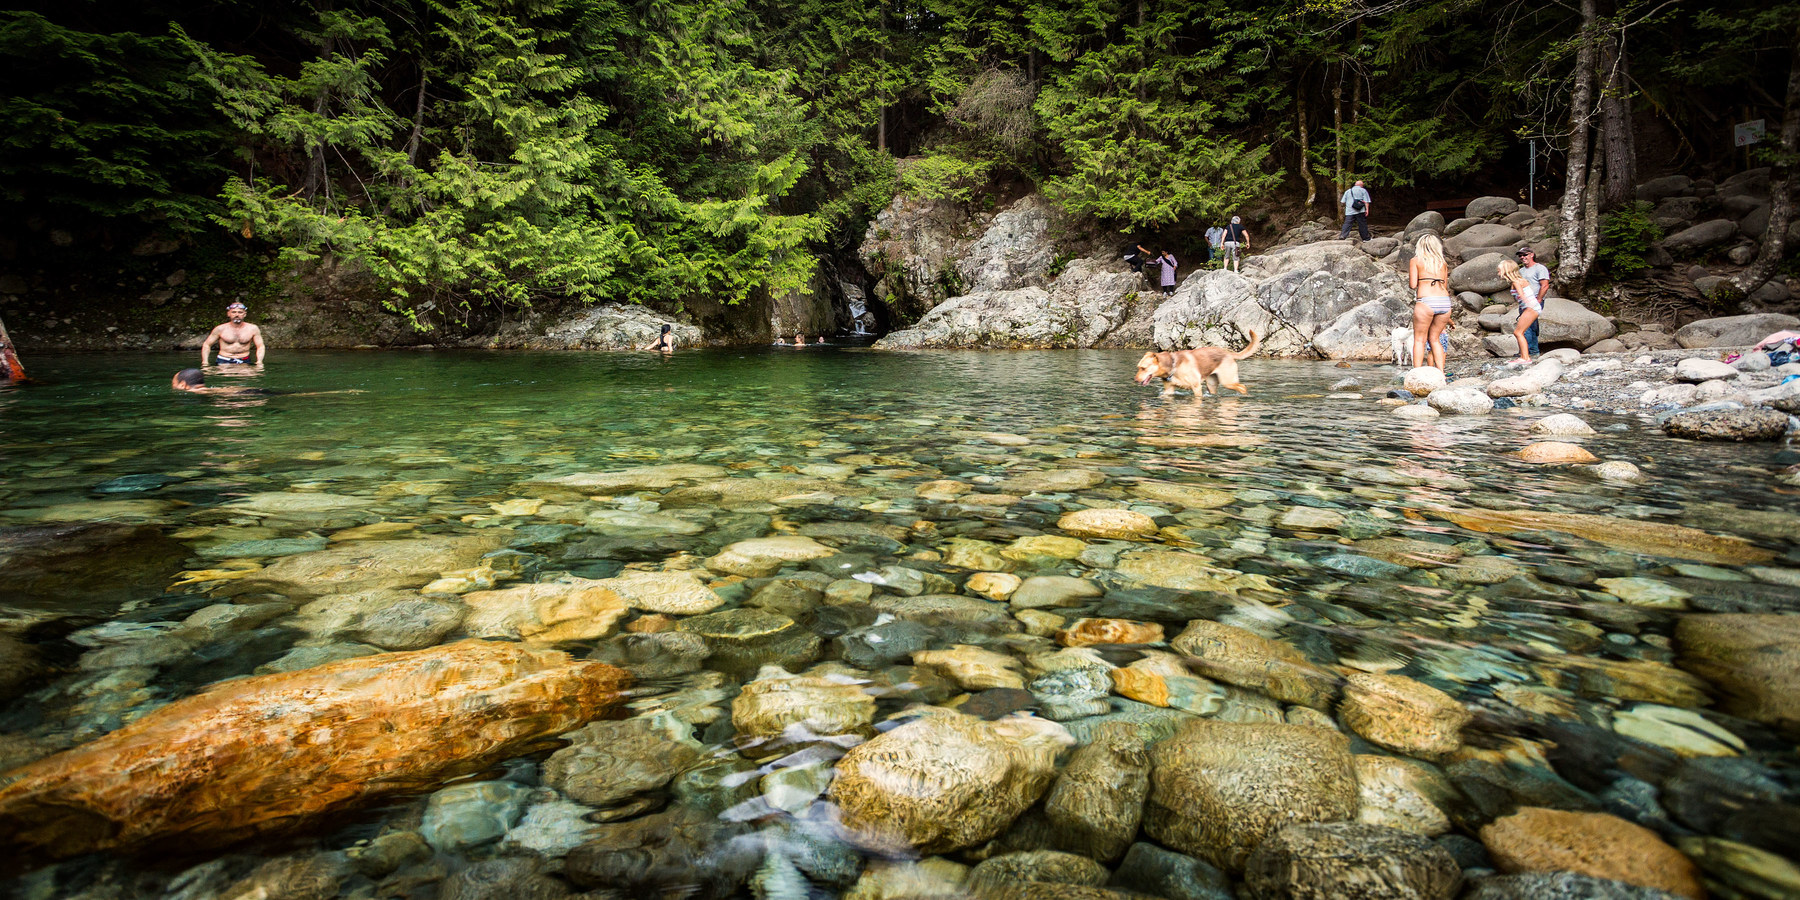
(1196, 370)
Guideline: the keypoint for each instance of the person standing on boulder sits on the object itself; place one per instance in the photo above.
(1167, 282)
(1237, 240)
(1215, 241)
(1356, 211)
(1534, 272)
(1530, 307)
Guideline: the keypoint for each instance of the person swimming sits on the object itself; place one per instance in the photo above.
(193, 381)
(664, 342)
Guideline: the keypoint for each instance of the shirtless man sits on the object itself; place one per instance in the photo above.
(235, 338)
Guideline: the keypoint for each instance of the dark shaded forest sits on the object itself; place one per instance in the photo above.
(471, 151)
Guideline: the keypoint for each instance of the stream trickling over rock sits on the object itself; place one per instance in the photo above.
(1354, 617)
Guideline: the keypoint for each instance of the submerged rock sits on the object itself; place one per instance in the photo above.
(1219, 789)
(946, 781)
(1249, 660)
(1352, 862)
(1753, 659)
(1098, 800)
(249, 755)
(777, 701)
(1401, 714)
(1548, 840)
(609, 763)
(1632, 535)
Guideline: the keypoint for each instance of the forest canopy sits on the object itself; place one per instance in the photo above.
(474, 151)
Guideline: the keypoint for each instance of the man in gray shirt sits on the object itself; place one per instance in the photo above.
(1356, 211)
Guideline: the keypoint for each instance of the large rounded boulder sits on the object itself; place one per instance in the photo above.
(946, 781)
(1219, 789)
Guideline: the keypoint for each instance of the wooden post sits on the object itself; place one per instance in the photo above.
(10, 367)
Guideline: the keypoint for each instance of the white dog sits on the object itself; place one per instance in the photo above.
(1400, 341)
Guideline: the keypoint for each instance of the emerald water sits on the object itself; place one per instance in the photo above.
(1318, 522)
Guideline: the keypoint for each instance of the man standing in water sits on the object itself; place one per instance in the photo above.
(235, 338)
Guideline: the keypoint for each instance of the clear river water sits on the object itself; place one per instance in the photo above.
(1543, 599)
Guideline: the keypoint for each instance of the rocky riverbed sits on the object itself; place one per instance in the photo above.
(881, 645)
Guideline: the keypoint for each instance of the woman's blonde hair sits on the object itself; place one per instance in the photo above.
(1430, 253)
(1509, 270)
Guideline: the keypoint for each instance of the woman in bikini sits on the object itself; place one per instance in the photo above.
(1429, 275)
(1530, 307)
(664, 342)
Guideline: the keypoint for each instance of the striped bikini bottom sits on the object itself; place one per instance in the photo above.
(1440, 306)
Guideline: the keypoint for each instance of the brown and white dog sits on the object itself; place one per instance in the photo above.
(1196, 370)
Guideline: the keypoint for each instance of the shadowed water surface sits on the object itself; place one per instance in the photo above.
(1303, 510)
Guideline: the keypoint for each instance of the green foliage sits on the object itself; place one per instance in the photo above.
(1626, 236)
(1139, 138)
(1395, 148)
(103, 124)
(1059, 263)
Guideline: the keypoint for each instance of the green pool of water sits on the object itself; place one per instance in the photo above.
(115, 490)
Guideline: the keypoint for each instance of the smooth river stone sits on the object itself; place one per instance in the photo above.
(994, 585)
(1401, 714)
(1682, 730)
(1218, 789)
(1185, 571)
(945, 781)
(1053, 481)
(280, 503)
(1182, 494)
(1549, 840)
(1753, 658)
(357, 566)
(1403, 793)
(1163, 679)
(1046, 591)
(1631, 535)
(1055, 546)
(1098, 799)
(546, 612)
(671, 593)
(1086, 632)
(273, 752)
(964, 553)
(972, 668)
(642, 478)
(1350, 860)
(777, 700)
(1246, 659)
(1308, 518)
(1107, 523)
(1556, 452)
(762, 557)
(1645, 592)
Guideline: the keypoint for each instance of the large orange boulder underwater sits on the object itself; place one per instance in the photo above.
(266, 753)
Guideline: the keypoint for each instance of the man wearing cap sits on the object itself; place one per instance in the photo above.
(235, 338)
(1531, 270)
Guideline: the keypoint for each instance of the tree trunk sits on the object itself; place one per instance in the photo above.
(1571, 266)
(1356, 93)
(1781, 201)
(881, 120)
(1306, 172)
(10, 367)
(418, 130)
(1337, 129)
(1621, 142)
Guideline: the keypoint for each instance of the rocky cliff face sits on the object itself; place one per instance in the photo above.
(921, 253)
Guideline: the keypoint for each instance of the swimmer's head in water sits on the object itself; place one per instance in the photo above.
(187, 379)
